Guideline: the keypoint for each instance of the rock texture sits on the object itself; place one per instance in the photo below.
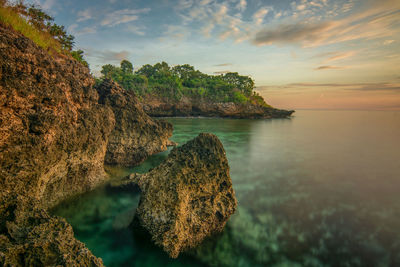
(54, 135)
(186, 107)
(53, 132)
(135, 135)
(187, 197)
(31, 237)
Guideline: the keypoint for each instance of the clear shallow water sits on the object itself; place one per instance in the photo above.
(320, 189)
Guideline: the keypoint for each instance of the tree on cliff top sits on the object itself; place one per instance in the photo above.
(126, 66)
(37, 25)
(173, 83)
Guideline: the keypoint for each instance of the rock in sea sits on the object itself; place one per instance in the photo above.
(188, 197)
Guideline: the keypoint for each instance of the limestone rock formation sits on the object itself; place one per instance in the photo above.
(135, 135)
(187, 197)
(186, 107)
(54, 135)
(29, 236)
(53, 132)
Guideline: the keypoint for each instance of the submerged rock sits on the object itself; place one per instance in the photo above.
(187, 197)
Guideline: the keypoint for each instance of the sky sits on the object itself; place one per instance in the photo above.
(302, 54)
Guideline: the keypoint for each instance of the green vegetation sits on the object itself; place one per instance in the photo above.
(78, 55)
(172, 83)
(35, 24)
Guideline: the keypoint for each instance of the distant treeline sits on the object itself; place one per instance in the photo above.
(173, 83)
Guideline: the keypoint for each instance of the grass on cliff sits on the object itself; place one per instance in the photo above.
(10, 18)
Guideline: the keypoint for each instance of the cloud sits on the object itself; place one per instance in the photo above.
(383, 86)
(122, 16)
(329, 68)
(301, 7)
(372, 20)
(348, 6)
(388, 42)
(242, 5)
(207, 29)
(84, 15)
(292, 33)
(214, 18)
(221, 72)
(260, 15)
(205, 2)
(223, 65)
(48, 4)
(334, 56)
(175, 31)
(73, 29)
(108, 56)
(135, 29)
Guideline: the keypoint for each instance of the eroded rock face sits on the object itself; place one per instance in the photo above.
(29, 236)
(187, 197)
(54, 135)
(187, 107)
(53, 132)
(135, 135)
(53, 138)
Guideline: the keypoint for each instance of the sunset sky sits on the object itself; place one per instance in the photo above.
(313, 54)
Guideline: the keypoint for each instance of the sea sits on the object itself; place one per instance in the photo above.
(321, 188)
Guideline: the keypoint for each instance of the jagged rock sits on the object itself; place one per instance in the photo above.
(54, 134)
(29, 236)
(188, 197)
(53, 138)
(53, 131)
(157, 107)
(135, 135)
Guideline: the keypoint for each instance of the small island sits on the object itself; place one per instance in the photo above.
(183, 91)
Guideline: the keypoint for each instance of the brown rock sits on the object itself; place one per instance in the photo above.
(135, 135)
(54, 135)
(53, 138)
(31, 237)
(187, 197)
(186, 107)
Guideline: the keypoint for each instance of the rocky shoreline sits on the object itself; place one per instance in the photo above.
(58, 129)
(188, 108)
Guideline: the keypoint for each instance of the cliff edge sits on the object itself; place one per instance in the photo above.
(55, 133)
(186, 107)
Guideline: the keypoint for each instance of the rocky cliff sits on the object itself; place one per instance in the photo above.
(187, 107)
(188, 197)
(135, 135)
(54, 137)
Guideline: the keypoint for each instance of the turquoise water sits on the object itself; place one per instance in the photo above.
(319, 189)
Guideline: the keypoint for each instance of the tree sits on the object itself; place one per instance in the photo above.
(126, 66)
(146, 70)
(183, 80)
(38, 18)
(108, 71)
(78, 55)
